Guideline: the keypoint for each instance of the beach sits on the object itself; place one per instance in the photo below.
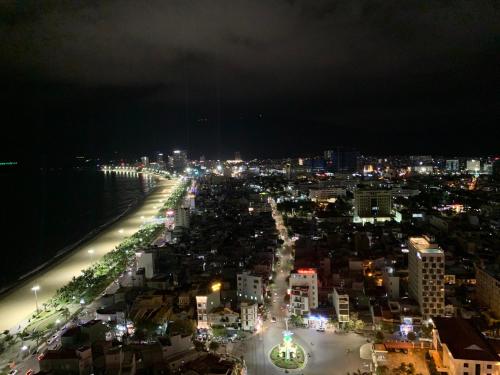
(19, 303)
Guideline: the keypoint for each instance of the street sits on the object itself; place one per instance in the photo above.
(330, 353)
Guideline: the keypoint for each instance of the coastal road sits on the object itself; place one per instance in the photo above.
(17, 305)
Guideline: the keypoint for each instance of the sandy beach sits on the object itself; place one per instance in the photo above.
(19, 303)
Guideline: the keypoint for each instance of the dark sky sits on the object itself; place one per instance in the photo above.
(285, 77)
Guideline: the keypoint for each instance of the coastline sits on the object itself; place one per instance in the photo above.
(67, 250)
(18, 302)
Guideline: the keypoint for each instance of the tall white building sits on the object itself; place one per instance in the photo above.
(426, 276)
(206, 301)
(473, 166)
(249, 316)
(303, 290)
(341, 304)
(249, 287)
(145, 161)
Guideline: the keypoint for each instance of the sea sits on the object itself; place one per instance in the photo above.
(44, 214)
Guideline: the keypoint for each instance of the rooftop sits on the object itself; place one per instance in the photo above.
(463, 340)
(423, 246)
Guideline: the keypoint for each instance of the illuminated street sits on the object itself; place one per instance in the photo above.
(17, 305)
(338, 353)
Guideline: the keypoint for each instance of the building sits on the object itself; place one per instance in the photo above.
(67, 361)
(488, 289)
(178, 161)
(182, 217)
(341, 159)
(459, 349)
(426, 276)
(249, 287)
(391, 283)
(145, 260)
(159, 160)
(341, 304)
(496, 169)
(473, 166)
(249, 316)
(326, 194)
(452, 165)
(206, 301)
(299, 300)
(372, 205)
(145, 161)
(303, 290)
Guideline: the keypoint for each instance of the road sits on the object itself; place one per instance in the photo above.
(19, 304)
(331, 353)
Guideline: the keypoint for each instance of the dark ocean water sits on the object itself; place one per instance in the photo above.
(43, 214)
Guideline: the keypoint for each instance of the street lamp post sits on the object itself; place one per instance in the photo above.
(35, 289)
(91, 252)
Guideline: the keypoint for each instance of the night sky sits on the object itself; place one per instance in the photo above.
(280, 77)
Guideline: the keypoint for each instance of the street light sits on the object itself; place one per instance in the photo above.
(91, 252)
(120, 231)
(35, 289)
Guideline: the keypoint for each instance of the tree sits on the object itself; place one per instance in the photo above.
(213, 346)
(296, 320)
(36, 335)
(382, 370)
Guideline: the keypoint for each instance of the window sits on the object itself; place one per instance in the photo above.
(466, 373)
(488, 366)
(466, 365)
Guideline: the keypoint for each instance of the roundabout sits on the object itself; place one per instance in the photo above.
(288, 355)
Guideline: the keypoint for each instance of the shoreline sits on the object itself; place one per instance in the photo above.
(18, 301)
(67, 250)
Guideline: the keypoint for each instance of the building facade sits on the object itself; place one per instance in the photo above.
(304, 287)
(373, 204)
(249, 287)
(205, 303)
(249, 316)
(459, 349)
(341, 304)
(426, 276)
(488, 289)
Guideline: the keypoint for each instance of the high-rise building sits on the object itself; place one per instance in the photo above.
(160, 161)
(473, 166)
(303, 291)
(426, 276)
(249, 287)
(341, 159)
(372, 205)
(452, 165)
(145, 161)
(178, 161)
